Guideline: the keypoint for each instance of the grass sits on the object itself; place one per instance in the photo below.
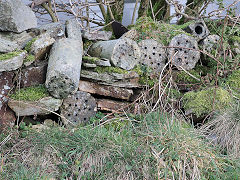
(154, 146)
(9, 55)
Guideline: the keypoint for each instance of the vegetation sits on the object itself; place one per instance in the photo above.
(29, 58)
(155, 146)
(110, 70)
(9, 55)
(29, 44)
(33, 93)
(206, 101)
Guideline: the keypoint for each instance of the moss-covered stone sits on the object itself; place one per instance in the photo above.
(9, 55)
(205, 101)
(29, 44)
(90, 59)
(33, 93)
(110, 70)
(160, 31)
(29, 58)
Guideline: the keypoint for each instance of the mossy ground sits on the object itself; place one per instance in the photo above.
(9, 55)
(33, 93)
(206, 101)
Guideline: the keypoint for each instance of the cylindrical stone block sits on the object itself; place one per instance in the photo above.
(183, 52)
(152, 54)
(64, 67)
(198, 29)
(78, 108)
(123, 53)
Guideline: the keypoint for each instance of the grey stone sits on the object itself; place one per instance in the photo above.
(89, 65)
(184, 52)
(97, 35)
(64, 67)
(15, 16)
(153, 55)
(12, 63)
(198, 29)
(129, 80)
(210, 43)
(21, 39)
(41, 46)
(7, 46)
(103, 62)
(131, 34)
(123, 53)
(73, 29)
(44, 106)
(55, 30)
(78, 108)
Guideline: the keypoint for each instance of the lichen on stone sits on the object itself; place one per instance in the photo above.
(29, 44)
(9, 55)
(33, 93)
(205, 101)
(110, 70)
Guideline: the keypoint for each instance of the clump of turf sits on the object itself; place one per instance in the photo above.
(33, 93)
(206, 101)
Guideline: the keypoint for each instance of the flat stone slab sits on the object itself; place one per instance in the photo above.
(97, 35)
(7, 46)
(111, 105)
(44, 106)
(12, 63)
(41, 46)
(15, 16)
(21, 39)
(109, 91)
(129, 80)
(34, 75)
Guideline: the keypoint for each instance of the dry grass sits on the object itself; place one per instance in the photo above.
(224, 130)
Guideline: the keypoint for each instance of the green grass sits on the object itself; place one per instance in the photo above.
(153, 146)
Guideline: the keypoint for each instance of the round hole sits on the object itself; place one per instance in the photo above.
(194, 47)
(176, 50)
(89, 109)
(75, 105)
(86, 101)
(145, 47)
(185, 57)
(154, 47)
(84, 119)
(185, 51)
(178, 43)
(76, 115)
(193, 57)
(179, 60)
(187, 41)
(198, 29)
(180, 49)
(79, 109)
(151, 63)
(186, 63)
(145, 55)
(153, 53)
(69, 115)
(70, 105)
(160, 54)
(158, 64)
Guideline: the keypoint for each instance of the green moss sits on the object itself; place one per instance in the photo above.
(205, 101)
(29, 58)
(233, 81)
(160, 31)
(9, 55)
(144, 73)
(33, 93)
(183, 77)
(87, 44)
(29, 44)
(90, 59)
(235, 38)
(110, 70)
